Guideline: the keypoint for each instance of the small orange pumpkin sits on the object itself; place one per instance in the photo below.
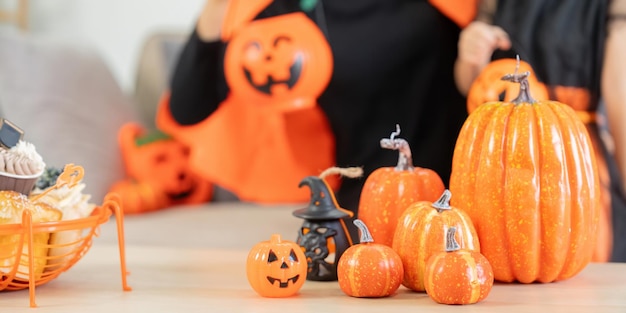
(489, 86)
(388, 191)
(458, 276)
(369, 269)
(526, 173)
(276, 268)
(421, 233)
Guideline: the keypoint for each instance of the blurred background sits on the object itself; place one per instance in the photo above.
(117, 29)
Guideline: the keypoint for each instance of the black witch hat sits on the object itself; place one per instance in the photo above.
(322, 205)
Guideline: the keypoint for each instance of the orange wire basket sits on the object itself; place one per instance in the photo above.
(25, 261)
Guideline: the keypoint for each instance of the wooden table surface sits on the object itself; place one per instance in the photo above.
(192, 259)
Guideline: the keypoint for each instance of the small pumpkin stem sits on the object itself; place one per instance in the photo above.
(366, 236)
(451, 243)
(405, 159)
(276, 239)
(443, 203)
(521, 78)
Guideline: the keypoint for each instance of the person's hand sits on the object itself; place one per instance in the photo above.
(210, 21)
(479, 40)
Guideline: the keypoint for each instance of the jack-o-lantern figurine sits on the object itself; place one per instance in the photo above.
(276, 268)
(324, 235)
(275, 68)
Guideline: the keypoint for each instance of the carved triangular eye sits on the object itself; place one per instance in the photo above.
(272, 257)
(292, 256)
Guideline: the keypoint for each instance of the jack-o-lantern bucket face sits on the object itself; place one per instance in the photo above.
(277, 59)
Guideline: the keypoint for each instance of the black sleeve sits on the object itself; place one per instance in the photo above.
(198, 84)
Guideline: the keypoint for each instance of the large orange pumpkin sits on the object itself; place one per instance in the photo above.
(421, 232)
(526, 174)
(388, 191)
(489, 87)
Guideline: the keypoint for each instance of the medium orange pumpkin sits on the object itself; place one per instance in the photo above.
(421, 233)
(458, 276)
(488, 85)
(388, 191)
(369, 269)
(526, 173)
(276, 268)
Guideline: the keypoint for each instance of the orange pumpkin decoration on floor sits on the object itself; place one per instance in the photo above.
(388, 191)
(525, 172)
(421, 233)
(369, 269)
(157, 170)
(276, 268)
(489, 86)
(458, 276)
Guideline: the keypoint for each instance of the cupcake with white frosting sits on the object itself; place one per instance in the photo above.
(20, 166)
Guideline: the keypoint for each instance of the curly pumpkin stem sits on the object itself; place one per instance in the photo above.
(451, 243)
(443, 203)
(524, 90)
(366, 236)
(405, 160)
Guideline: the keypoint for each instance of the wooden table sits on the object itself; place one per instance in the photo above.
(192, 259)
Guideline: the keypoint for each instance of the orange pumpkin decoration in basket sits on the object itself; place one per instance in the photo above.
(276, 268)
(369, 269)
(158, 173)
(525, 171)
(421, 233)
(489, 86)
(458, 276)
(388, 191)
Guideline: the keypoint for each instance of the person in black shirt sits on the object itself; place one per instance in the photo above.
(392, 65)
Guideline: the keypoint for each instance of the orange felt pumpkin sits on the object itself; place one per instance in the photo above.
(157, 170)
(525, 172)
(458, 276)
(488, 85)
(269, 132)
(369, 269)
(421, 233)
(388, 191)
(276, 268)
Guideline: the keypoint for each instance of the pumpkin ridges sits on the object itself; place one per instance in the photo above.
(521, 199)
(486, 210)
(556, 207)
(580, 244)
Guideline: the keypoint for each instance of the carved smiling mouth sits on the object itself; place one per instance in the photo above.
(283, 284)
(294, 74)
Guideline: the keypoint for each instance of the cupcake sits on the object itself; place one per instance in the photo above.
(20, 166)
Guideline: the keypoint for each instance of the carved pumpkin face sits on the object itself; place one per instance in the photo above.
(276, 268)
(489, 86)
(162, 164)
(279, 59)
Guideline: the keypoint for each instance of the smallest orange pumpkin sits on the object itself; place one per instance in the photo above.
(276, 268)
(368, 269)
(458, 276)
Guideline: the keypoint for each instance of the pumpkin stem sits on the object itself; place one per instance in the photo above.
(443, 203)
(451, 243)
(276, 239)
(405, 159)
(366, 236)
(524, 90)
